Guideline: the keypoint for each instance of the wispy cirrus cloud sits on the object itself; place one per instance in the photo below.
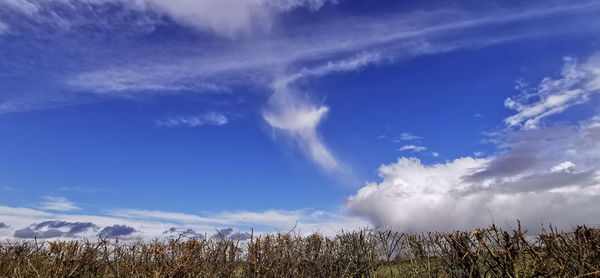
(3, 27)
(57, 204)
(276, 62)
(413, 148)
(229, 18)
(132, 224)
(406, 136)
(209, 118)
(578, 82)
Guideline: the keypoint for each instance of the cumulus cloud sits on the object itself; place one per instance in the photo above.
(58, 204)
(464, 193)
(240, 236)
(229, 234)
(128, 224)
(209, 118)
(413, 195)
(55, 228)
(413, 148)
(188, 233)
(540, 174)
(543, 175)
(577, 84)
(223, 233)
(117, 231)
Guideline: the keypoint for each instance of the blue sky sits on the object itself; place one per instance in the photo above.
(322, 114)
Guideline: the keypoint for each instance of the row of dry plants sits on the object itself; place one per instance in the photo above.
(490, 252)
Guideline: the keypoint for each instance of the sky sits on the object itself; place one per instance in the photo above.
(150, 118)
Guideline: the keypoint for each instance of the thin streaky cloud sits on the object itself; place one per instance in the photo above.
(407, 136)
(209, 118)
(56, 203)
(208, 71)
(413, 148)
(575, 86)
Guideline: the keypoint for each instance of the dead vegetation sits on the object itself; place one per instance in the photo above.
(490, 252)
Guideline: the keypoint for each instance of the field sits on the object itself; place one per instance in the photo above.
(490, 252)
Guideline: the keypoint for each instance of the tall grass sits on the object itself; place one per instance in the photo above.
(490, 252)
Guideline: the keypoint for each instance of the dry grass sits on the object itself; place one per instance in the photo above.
(489, 252)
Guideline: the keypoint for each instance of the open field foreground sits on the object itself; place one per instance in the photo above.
(490, 252)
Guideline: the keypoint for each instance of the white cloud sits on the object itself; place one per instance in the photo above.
(577, 83)
(160, 215)
(271, 220)
(299, 119)
(57, 204)
(413, 148)
(435, 154)
(24, 6)
(3, 28)
(305, 220)
(283, 55)
(415, 196)
(152, 224)
(227, 17)
(533, 179)
(230, 18)
(210, 118)
(566, 166)
(406, 136)
(334, 46)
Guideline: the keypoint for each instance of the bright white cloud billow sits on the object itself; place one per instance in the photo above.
(528, 181)
(548, 174)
